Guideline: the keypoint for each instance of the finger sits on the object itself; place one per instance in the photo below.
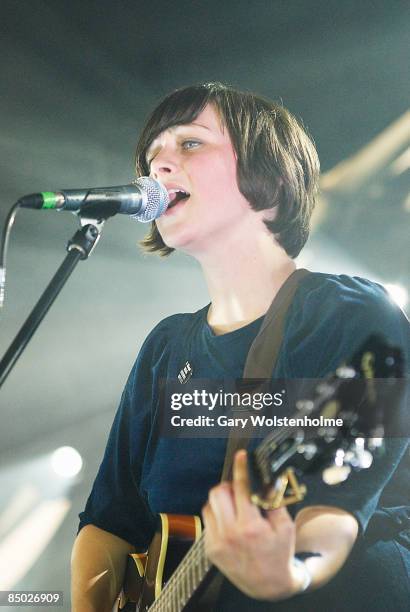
(208, 518)
(241, 488)
(280, 519)
(222, 504)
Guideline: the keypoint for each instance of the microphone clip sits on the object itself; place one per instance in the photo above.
(85, 239)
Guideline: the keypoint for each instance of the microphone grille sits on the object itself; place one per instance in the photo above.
(157, 199)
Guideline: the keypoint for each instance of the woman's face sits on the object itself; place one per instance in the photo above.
(199, 159)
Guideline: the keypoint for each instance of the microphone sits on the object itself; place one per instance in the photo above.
(144, 200)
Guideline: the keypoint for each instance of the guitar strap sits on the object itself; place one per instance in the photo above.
(263, 355)
(260, 363)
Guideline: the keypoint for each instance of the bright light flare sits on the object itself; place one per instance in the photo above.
(66, 461)
(398, 294)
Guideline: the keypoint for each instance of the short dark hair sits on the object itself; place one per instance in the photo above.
(277, 162)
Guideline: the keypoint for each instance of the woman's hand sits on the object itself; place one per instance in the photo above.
(254, 552)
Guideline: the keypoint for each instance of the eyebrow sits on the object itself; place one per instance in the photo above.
(194, 123)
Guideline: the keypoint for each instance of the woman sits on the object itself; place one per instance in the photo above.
(242, 176)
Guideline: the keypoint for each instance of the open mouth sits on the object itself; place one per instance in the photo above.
(176, 196)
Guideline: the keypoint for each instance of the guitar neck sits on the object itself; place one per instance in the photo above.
(190, 573)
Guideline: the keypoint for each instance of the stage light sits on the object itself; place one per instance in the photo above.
(66, 461)
(398, 294)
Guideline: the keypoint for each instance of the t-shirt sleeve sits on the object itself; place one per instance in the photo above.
(328, 324)
(116, 503)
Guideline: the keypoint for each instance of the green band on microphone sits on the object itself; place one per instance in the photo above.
(49, 199)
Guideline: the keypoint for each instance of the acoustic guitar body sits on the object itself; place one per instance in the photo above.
(147, 573)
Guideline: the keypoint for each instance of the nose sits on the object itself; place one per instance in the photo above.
(164, 163)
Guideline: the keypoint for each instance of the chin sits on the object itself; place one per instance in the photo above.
(178, 240)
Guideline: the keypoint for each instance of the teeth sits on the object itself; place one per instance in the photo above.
(176, 191)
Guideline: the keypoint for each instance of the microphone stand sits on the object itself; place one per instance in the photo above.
(78, 247)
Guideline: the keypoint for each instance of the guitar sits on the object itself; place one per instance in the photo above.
(174, 573)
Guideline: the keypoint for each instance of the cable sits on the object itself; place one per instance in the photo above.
(4, 247)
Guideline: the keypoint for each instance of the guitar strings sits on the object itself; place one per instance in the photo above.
(173, 586)
(177, 596)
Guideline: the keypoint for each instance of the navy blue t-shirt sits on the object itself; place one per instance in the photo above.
(143, 473)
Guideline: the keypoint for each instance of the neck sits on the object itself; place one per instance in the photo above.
(243, 280)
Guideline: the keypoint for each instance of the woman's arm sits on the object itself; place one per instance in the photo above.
(98, 564)
(329, 531)
(256, 553)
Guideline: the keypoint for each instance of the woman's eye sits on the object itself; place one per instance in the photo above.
(185, 144)
(190, 144)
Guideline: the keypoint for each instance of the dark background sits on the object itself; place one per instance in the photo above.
(77, 80)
